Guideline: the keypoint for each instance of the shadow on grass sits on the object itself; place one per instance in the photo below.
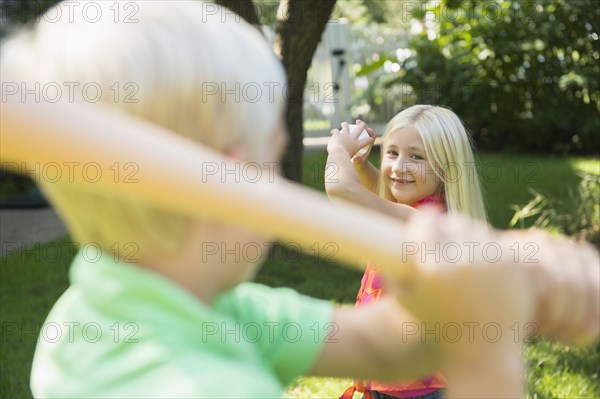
(31, 281)
(316, 276)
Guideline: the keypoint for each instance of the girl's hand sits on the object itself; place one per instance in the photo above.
(360, 160)
(349, 143)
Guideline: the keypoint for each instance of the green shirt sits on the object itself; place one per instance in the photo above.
(123, 331)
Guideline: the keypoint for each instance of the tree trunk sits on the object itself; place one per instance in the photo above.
(298, 30)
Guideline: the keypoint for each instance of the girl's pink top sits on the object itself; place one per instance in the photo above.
(371, 289)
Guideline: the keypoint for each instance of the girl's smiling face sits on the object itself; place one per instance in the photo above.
(405, 169)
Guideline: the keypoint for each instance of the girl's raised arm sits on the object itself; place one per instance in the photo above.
(343, 182)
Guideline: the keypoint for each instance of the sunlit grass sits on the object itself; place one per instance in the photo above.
(586, 165)
(560, 371)
(317, 387)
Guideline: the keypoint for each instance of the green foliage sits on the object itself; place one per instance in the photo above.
(577, 215)
(523, 75)
(371, 66)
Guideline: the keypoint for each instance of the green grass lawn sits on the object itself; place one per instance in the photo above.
(31, 280)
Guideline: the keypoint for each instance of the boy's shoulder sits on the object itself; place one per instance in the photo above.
(248, 297)
(123, 328)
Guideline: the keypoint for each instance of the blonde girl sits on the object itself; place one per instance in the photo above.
(426, 159)
(425, 150)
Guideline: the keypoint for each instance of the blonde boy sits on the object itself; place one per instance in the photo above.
(170, 321)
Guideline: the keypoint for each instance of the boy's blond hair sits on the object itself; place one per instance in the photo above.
(449, 151)
(175, 64)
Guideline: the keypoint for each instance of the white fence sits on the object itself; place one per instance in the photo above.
(333, 90)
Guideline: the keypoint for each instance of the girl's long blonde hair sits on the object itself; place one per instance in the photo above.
(449, 151)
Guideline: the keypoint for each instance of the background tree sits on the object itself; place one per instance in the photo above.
(522, 74)
(298, 27)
